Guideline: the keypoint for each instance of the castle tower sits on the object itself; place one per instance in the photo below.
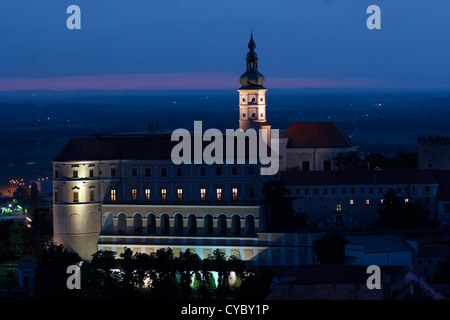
(252, 94)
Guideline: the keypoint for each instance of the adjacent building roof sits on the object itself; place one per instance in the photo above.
(342, 274)
(433, 250)
(136, 147)
(357, 177)
(380, 242)
(317, 135)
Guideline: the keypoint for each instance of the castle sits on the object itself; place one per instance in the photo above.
(116, 191)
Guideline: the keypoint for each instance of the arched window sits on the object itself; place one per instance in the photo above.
(165, 226)
(122, 224)
(137, 224)
(108, 227)
(178, 224)
(249, 225)
(151, 224)
(222, 225)
(192, 224)
(208, 225)
(236, 225)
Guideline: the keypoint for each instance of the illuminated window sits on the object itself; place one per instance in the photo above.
(219, 194)
(338, 207)
(91, 195)
(134, 194)
(382, 201)
(75, 196)
(113, 195)
(147, 194)
(179, 194)
(202, 194)
(163, 194)
(367, 201)
(352, 201)
(235, 193)
(406, 200)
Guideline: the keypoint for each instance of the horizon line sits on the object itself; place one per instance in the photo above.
(193, 81)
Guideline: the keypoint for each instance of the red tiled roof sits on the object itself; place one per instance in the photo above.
(317, 135)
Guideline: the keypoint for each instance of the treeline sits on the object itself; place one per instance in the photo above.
(159, 275)
(375, 161)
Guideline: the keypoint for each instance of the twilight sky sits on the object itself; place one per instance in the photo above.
(201, 44)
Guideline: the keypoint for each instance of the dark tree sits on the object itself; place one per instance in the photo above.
(21, 195)
(34, 194)
(255, 284)
(281, 213)
(219, 264)
(391, 210)
(51, 276)
(42, 220)
(5, 246)
(19, 238)
(163, 277)
(330, 249)
(104, 281)
(127, 268)
(394, 213)
(188, 265)
(349, 161)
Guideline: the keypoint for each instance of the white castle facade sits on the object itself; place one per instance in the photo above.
(118, 191)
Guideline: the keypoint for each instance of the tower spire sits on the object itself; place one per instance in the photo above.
(252, 78)
(251, 43)
(252, 97)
